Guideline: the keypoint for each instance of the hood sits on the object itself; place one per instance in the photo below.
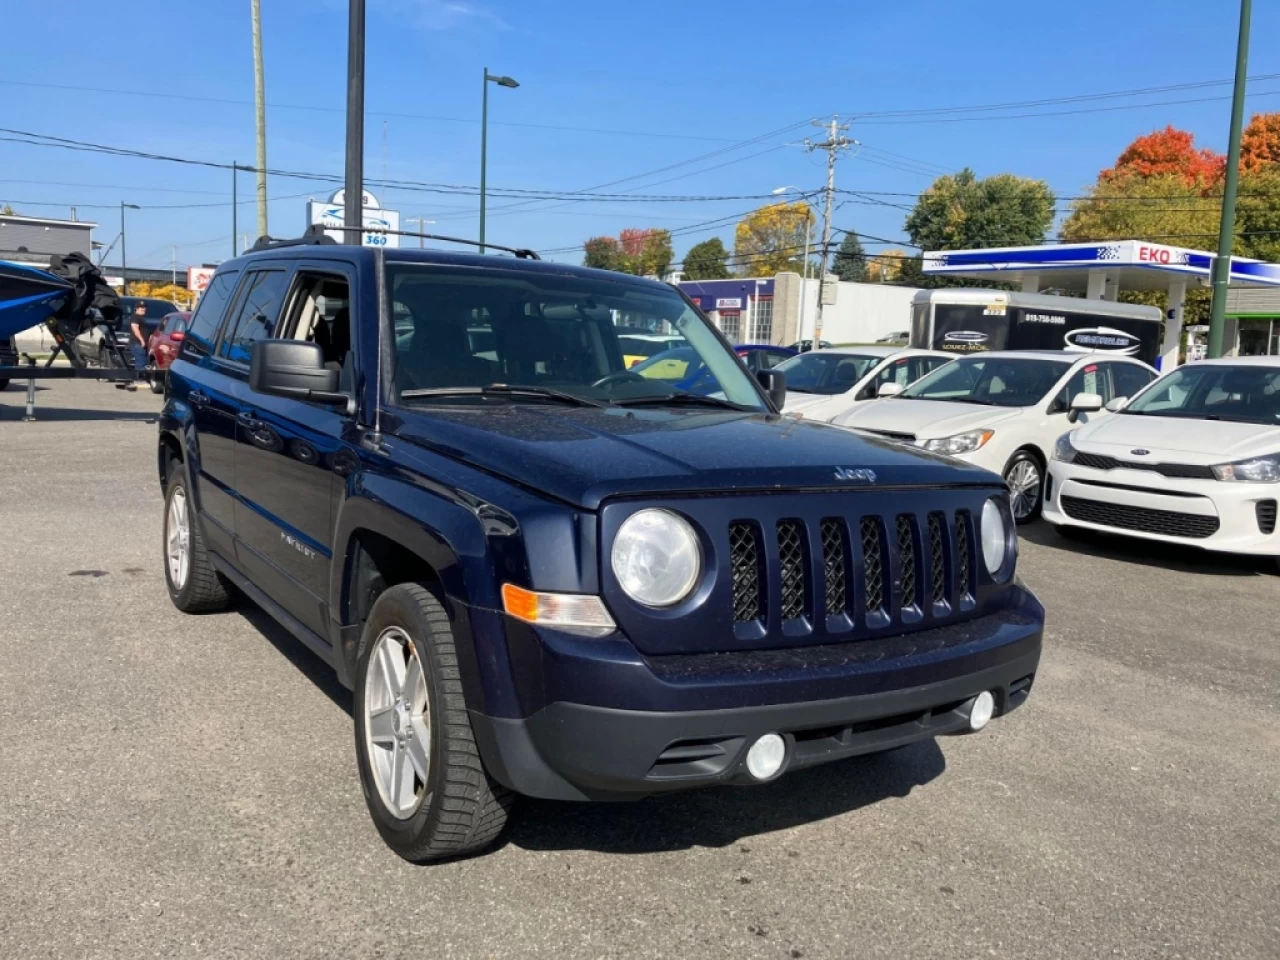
(925, 419)
(798, 400)
(583, 455)
(1177, 439)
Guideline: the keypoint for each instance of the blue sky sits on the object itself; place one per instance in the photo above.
(666, 82)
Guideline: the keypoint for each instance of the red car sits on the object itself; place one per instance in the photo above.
(163, 344)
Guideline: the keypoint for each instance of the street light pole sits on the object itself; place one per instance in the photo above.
(353, 208)
(124, 260)
(484, 137)
(421, 222)
(1227, 226)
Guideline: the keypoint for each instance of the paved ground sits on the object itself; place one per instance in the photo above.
(174, 786)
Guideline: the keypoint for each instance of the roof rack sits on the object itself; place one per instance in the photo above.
(315, 234)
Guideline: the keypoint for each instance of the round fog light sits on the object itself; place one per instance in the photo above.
(984, 705)
(765, 757)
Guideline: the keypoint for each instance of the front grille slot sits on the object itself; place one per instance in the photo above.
(835, 567)
(1169, 523)
(937, 560)
(1266, 510)
(1182, 471)
(964, 582)
(872, 565)
(907, 559)
(747, 561)
(791, 566)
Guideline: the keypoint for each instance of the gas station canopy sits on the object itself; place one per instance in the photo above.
(1100, 271)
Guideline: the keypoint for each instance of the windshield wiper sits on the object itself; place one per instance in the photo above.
(679, 398)
(507, 390)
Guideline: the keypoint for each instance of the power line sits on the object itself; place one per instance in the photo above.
(373, 113)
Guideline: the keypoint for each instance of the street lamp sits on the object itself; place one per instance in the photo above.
(511, 84)
(804, 284)
(124, 262)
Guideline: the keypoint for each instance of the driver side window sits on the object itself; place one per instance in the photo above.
(1094, 378)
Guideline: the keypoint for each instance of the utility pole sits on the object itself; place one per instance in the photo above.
(1227, 226)
(260, 105)
(835, 142)
(173, 265)
(422, 223)
(235, 206)
(353, 209)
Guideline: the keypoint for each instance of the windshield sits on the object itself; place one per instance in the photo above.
(1246, 394)
(155, 309)
(994, 381)
(469, 328)
(638, 346)
(826, 373)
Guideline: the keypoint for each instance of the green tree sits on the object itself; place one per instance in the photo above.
(645, 252)
(959, 212)
(772, 239)
(8, 211)
(1258, 214)
(603, 253)
(850, 262)
(708, 260)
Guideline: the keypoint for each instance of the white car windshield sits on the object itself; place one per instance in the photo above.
(1246, 394)
(991, 381)
(826, 373)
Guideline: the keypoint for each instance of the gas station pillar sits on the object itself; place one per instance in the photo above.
(1173, 326)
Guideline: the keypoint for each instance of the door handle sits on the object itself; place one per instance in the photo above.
(197, 399)
(248, 421)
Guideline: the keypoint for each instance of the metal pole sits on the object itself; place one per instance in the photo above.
(260, 108)
(1227, 227)
(804, 282)
(31, 400)
(353, 213)
(235, 171)
(124, 260)
(484, 148)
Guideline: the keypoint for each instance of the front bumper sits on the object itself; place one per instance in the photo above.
(827, 702)
(1210, 514)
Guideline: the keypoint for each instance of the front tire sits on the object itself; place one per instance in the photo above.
(423, 779)
(194, 585)
(153, 376)
(1024, 476)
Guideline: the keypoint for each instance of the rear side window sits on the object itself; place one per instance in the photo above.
(256, 318)
(208, 315)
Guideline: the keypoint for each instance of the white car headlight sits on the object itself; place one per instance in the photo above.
(1065, 448)
(1258, 470)
(656, 557)
(960, 443)
(995, 537)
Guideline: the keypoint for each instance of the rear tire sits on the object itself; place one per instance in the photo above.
(1024, 476)
(194, 585)
(153, 376)
(423, 779)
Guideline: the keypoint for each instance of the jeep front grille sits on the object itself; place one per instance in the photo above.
(748, 571)
(875, 570)
(791, 566)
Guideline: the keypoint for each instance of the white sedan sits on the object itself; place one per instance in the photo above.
(1194, 459)
(1005, 411)
(822, 384)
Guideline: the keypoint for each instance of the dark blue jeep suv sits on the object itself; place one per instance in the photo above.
(545, 574)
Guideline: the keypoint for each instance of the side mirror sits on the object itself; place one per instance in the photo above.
(1084, 403)
(775, 385)
(889, 390)
(294, 368)
(1116, 405)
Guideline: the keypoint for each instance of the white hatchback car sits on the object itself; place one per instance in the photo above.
(1194, 459)
(1005, 411)
(822, 384)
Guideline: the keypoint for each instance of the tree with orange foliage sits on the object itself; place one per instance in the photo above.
(1167, 152)
(1260, 142)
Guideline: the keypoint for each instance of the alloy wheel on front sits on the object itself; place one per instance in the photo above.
(1024, 483)
(397, 722)
(178, 540)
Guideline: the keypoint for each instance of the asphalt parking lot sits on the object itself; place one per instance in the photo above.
(185, 786)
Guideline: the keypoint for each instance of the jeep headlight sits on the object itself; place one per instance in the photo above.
(1256, 470)
(1065, 448)
(656, 557)
(997, 545)
(960, 443)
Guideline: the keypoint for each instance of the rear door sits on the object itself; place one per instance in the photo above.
(289, 466)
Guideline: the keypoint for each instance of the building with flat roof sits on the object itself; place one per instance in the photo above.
(34, 240)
